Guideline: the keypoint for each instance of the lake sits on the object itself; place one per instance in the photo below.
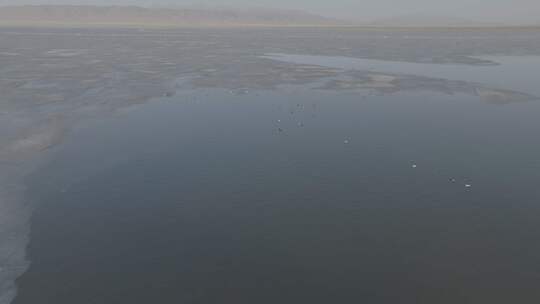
(273, 173)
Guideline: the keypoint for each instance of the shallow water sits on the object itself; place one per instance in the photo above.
(292, 196)
(520, 73)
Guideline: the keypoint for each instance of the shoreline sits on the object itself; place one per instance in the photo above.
(142, 25)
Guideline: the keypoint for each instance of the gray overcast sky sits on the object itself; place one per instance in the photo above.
(510, 11)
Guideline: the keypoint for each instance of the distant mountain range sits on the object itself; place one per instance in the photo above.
(83, 15)
(422, 20)
(133, 15)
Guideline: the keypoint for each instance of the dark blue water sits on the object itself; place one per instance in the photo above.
(292, 196)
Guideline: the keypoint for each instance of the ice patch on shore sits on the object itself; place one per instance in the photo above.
(18, 157)
(14, 231)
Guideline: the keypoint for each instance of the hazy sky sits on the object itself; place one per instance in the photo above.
(511, 11)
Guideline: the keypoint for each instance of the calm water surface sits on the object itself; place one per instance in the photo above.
(292, 196)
